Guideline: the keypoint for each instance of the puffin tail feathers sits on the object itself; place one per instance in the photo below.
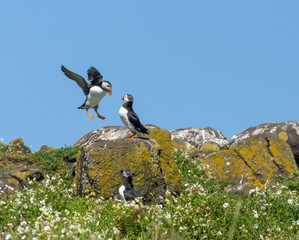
(143, 129)
(82, 106)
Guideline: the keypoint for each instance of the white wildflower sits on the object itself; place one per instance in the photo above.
(225, 205)
(251, 191)
(255, 225)
(255, 214)
(219, 233)
(227, 163)
(290, 201)
(278, 229)
(63, 230)
(278, 192)
(46, 228)
(168, 216)
(57, 219)
(23, 223)
(8, 236)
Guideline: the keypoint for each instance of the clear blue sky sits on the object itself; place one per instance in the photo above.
(229, 65)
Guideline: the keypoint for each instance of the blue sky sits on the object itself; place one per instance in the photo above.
(229, 65)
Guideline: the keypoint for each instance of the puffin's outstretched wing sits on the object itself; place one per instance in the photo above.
(79, 80)
(94, 76)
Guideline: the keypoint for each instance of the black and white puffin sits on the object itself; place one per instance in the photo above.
(127, 191)
(95, 91)
(129, 117)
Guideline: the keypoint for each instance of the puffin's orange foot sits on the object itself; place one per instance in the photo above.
(101, 117)
(89, 115)
(132, 136)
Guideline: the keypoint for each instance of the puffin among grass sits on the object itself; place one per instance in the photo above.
(95, 91)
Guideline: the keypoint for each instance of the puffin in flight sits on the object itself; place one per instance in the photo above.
(127, 191)
(129, 117)
(94, 91)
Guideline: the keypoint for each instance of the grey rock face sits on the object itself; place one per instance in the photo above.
(196, 137)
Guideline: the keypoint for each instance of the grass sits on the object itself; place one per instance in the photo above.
(204, 210)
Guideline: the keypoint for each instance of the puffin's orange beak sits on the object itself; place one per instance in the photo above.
(122, 98)
(110, 92)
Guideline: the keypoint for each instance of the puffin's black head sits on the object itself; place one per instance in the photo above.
(127, 97)
(127, 174)
(106, 86)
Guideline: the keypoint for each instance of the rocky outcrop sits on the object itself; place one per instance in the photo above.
(198, 140)
(17, 178)
(287, 131)
(46, 148)
(105, 152)
(261, 159)
(16, 146)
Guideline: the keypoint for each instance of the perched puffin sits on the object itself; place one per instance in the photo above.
(127, 191)
(94, 92)
(129, 117)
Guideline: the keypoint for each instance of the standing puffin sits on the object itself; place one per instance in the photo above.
(127, 191)
(129, 117)
(94, 92)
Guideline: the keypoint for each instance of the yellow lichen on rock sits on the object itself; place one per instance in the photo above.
(261, 159)
(168, 164)
(209, 147)
(283, 136)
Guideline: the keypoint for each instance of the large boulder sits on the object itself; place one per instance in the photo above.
(288, 131)
(105, 152)
(261, 159)
(198, 140)
(17, 177)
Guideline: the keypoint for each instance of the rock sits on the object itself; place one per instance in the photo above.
(105, 152)
(200, 140)
(46, 148)
(288, 131)
(17, 177)
(262, 159)
(16, 146)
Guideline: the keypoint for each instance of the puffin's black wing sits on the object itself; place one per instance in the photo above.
(134, 119)
(94, 76)
(79, 80)
(131, 194)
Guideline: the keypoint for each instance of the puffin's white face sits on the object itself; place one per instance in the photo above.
(107, 87)
(127, 97)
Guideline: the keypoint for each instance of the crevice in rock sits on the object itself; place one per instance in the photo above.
(279, 168)
(240, 156)
(23, 183)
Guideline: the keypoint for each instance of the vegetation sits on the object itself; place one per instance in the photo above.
(204, 210)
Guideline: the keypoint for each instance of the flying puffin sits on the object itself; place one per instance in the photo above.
(94, 92)
(127, 191)
(129, 117)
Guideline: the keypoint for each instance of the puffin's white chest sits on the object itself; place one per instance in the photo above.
(94, 96)
(121, 191)
(123, 114)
